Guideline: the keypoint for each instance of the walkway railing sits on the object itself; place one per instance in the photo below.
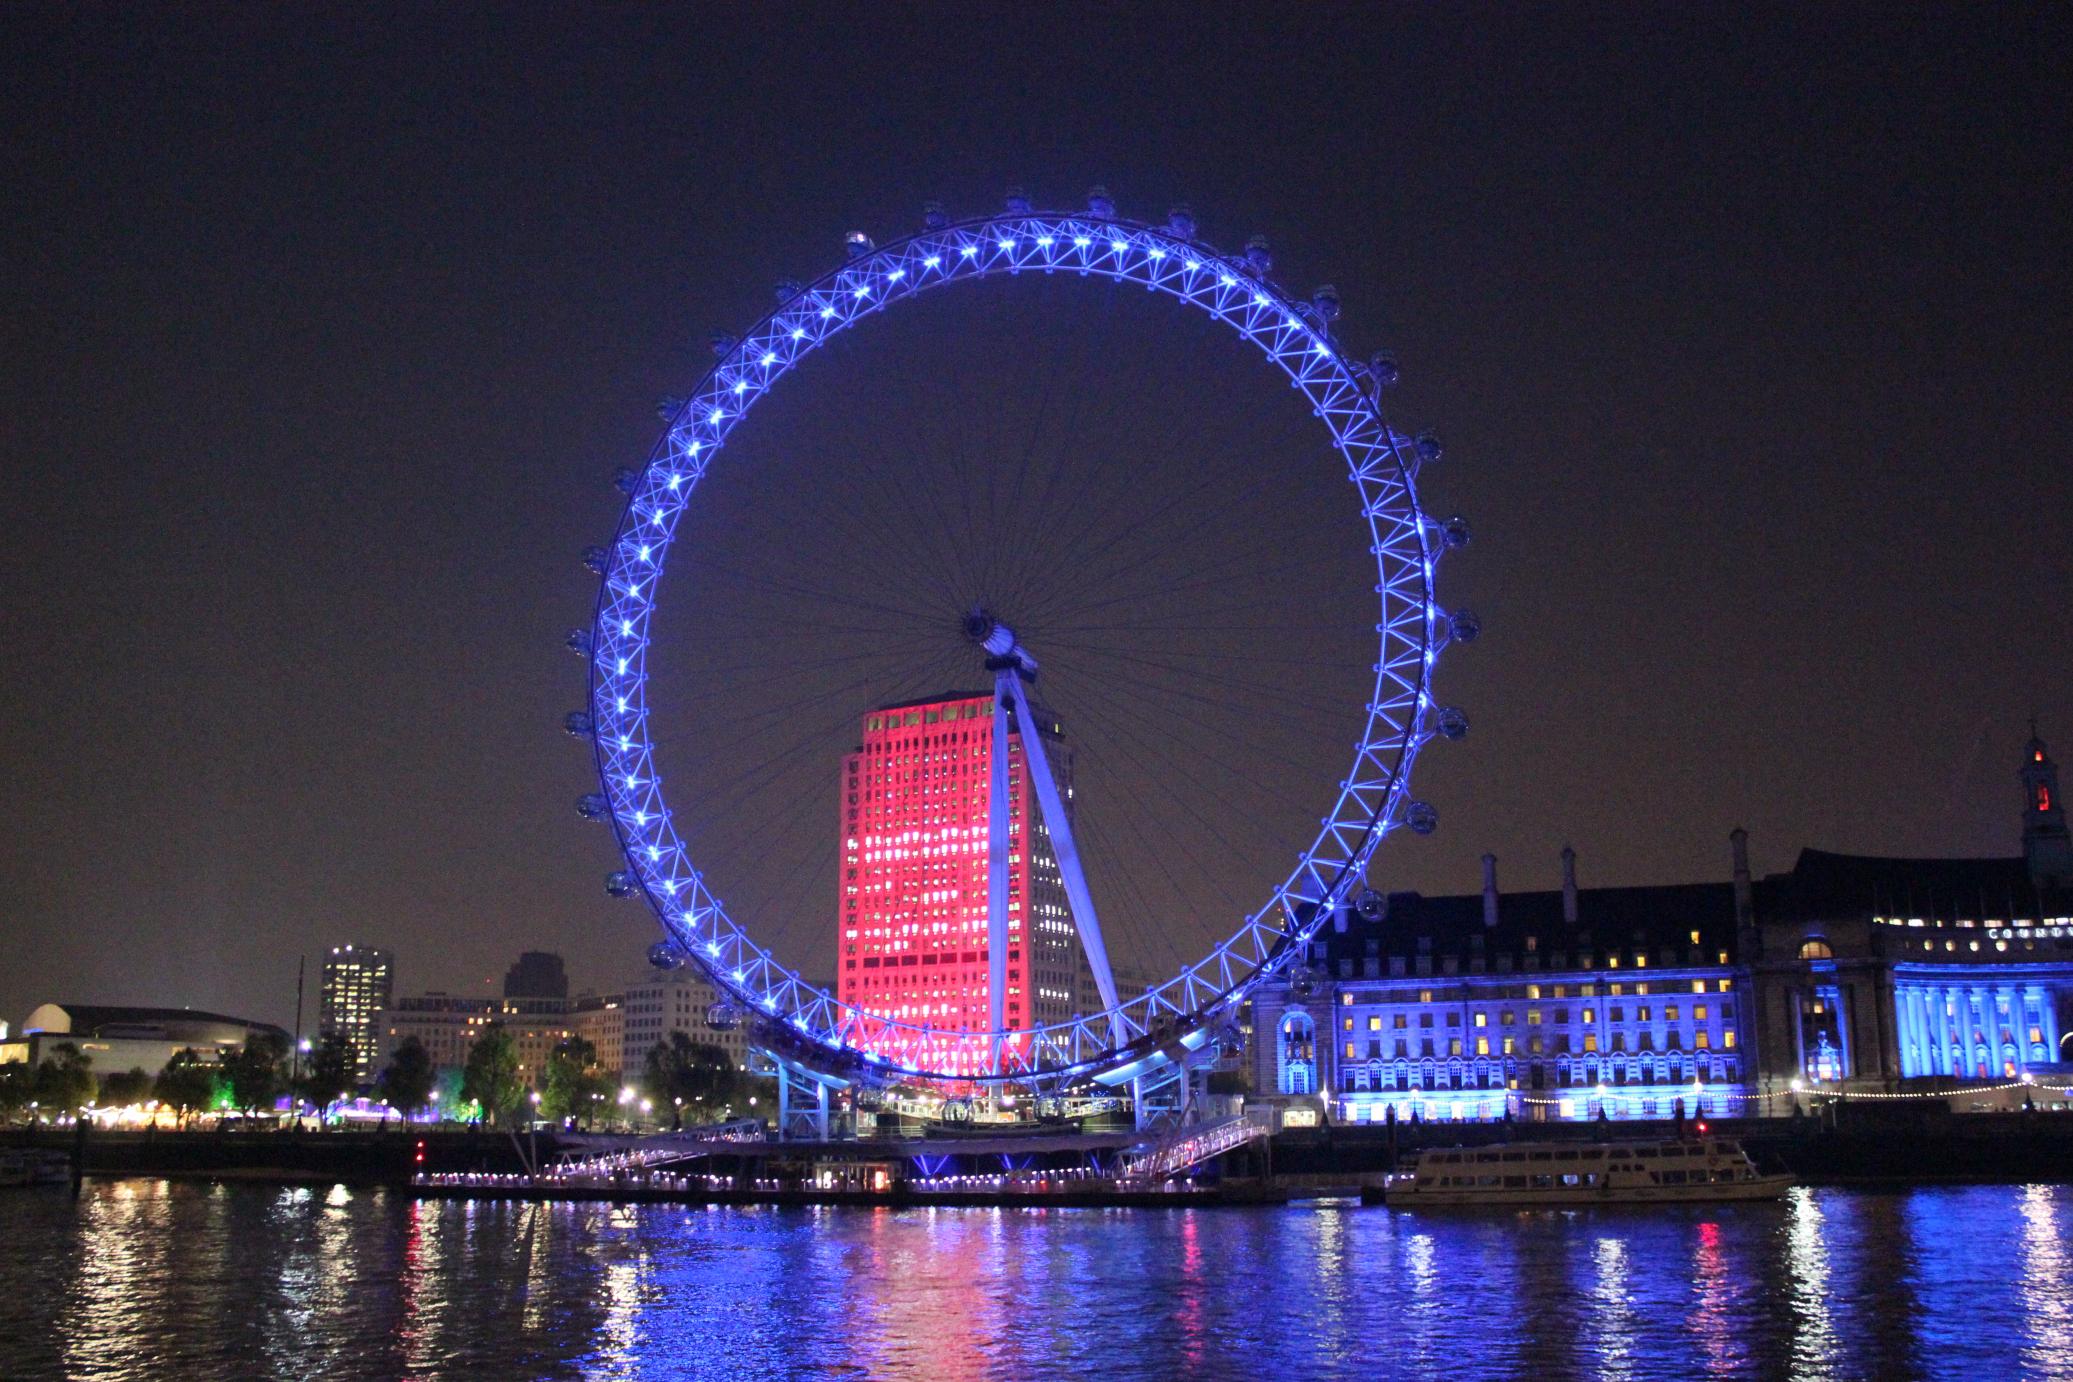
(1184, 1148)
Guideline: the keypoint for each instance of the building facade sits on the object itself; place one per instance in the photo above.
(448, 1024)
(912, 926)
(358, 983)
(1847, 974)
(132, 1038)
(675, 1000)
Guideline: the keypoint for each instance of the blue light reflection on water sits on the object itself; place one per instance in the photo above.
(160, 1280)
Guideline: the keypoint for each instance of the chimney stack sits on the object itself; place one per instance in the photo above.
(1568, 886)
(1745, 906)
(1489, 890)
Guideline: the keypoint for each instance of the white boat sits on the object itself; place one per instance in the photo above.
(1584, 1173)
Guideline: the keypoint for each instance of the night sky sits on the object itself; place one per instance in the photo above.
(1749, 333)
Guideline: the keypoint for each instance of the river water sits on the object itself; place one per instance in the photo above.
(155, 1279)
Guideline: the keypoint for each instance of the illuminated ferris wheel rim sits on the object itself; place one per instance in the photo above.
(797, 1020)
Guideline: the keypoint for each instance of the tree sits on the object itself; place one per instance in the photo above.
(327, 1076)
(572, 1078)
(490, 1077)
(186, 1084)
(121, 1088)
(406, 1081)
(64, 1080)
(694, 1075)
(254, 1073)
(17, 1088)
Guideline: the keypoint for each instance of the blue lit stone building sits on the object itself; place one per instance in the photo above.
(1848, 973)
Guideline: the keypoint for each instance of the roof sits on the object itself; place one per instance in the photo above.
(95, 1019)
(1827, 887)
(1607, 919)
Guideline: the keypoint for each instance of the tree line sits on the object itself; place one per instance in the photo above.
(682, 1081)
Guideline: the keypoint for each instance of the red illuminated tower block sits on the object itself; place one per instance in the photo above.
(911, 930)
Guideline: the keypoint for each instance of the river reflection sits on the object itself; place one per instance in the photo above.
(149, 1279)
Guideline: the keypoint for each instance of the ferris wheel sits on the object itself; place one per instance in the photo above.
(1130, 1032)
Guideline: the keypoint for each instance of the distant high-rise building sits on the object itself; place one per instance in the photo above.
(538, 974)
(359, 981)
(912, 920)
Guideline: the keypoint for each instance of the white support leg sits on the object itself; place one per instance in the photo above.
(997, 874)
(1082, 901)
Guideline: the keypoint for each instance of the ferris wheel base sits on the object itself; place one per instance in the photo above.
(1161, 1085)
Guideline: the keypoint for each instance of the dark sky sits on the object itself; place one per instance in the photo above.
(1749, 331)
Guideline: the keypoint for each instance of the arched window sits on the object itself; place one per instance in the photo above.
(1298, 1054)
(1815, 948)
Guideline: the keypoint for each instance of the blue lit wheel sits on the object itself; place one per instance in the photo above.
(1124, 1035)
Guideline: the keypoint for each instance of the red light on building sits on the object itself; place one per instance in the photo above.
(911, 929)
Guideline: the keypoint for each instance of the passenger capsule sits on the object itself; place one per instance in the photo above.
(1180, 222)
(1454, 531)
(1464, 625)
(1422, 819)
(663, 955)
(1382, 366)
(578, 642)
(668, 406)
(1428, 446)
(723, 1017)
(1017, 201)
(1369, 905)
(595, 558)
(721, 343)
(787, 289)
(625, 479)
(577, 723)
(1259, 255)
(858, 244)
(1325, 301)
(1453, 723)
(933, 216)
(592, 806)
(1100, 205)
(620, 883)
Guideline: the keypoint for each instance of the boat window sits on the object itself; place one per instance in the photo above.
(1673, 1177)
(1514, 1182)
(1543, 1182)
(1514, 1156)
(1543, 1156)
(1486, 1180)
(1592, 1154)
(1486, 1156)
(1571, 1178)
(1451, 1157)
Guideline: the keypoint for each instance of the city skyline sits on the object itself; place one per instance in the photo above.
(1706, 440)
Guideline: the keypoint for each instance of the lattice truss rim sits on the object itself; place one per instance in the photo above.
(799, 1019)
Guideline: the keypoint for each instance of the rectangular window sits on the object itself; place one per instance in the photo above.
(1533, 990)
(1669, 1012)
(1727, 1039)
(1375, 1024)
(1591, 1042)
(1349, 1051)
(1510, 1045)
(1400, 1022)
(1482, 1019)
(1698, 1012)
(1698, 986)
(1590, 1016)
(1482, 1046)
(1454, 1046)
